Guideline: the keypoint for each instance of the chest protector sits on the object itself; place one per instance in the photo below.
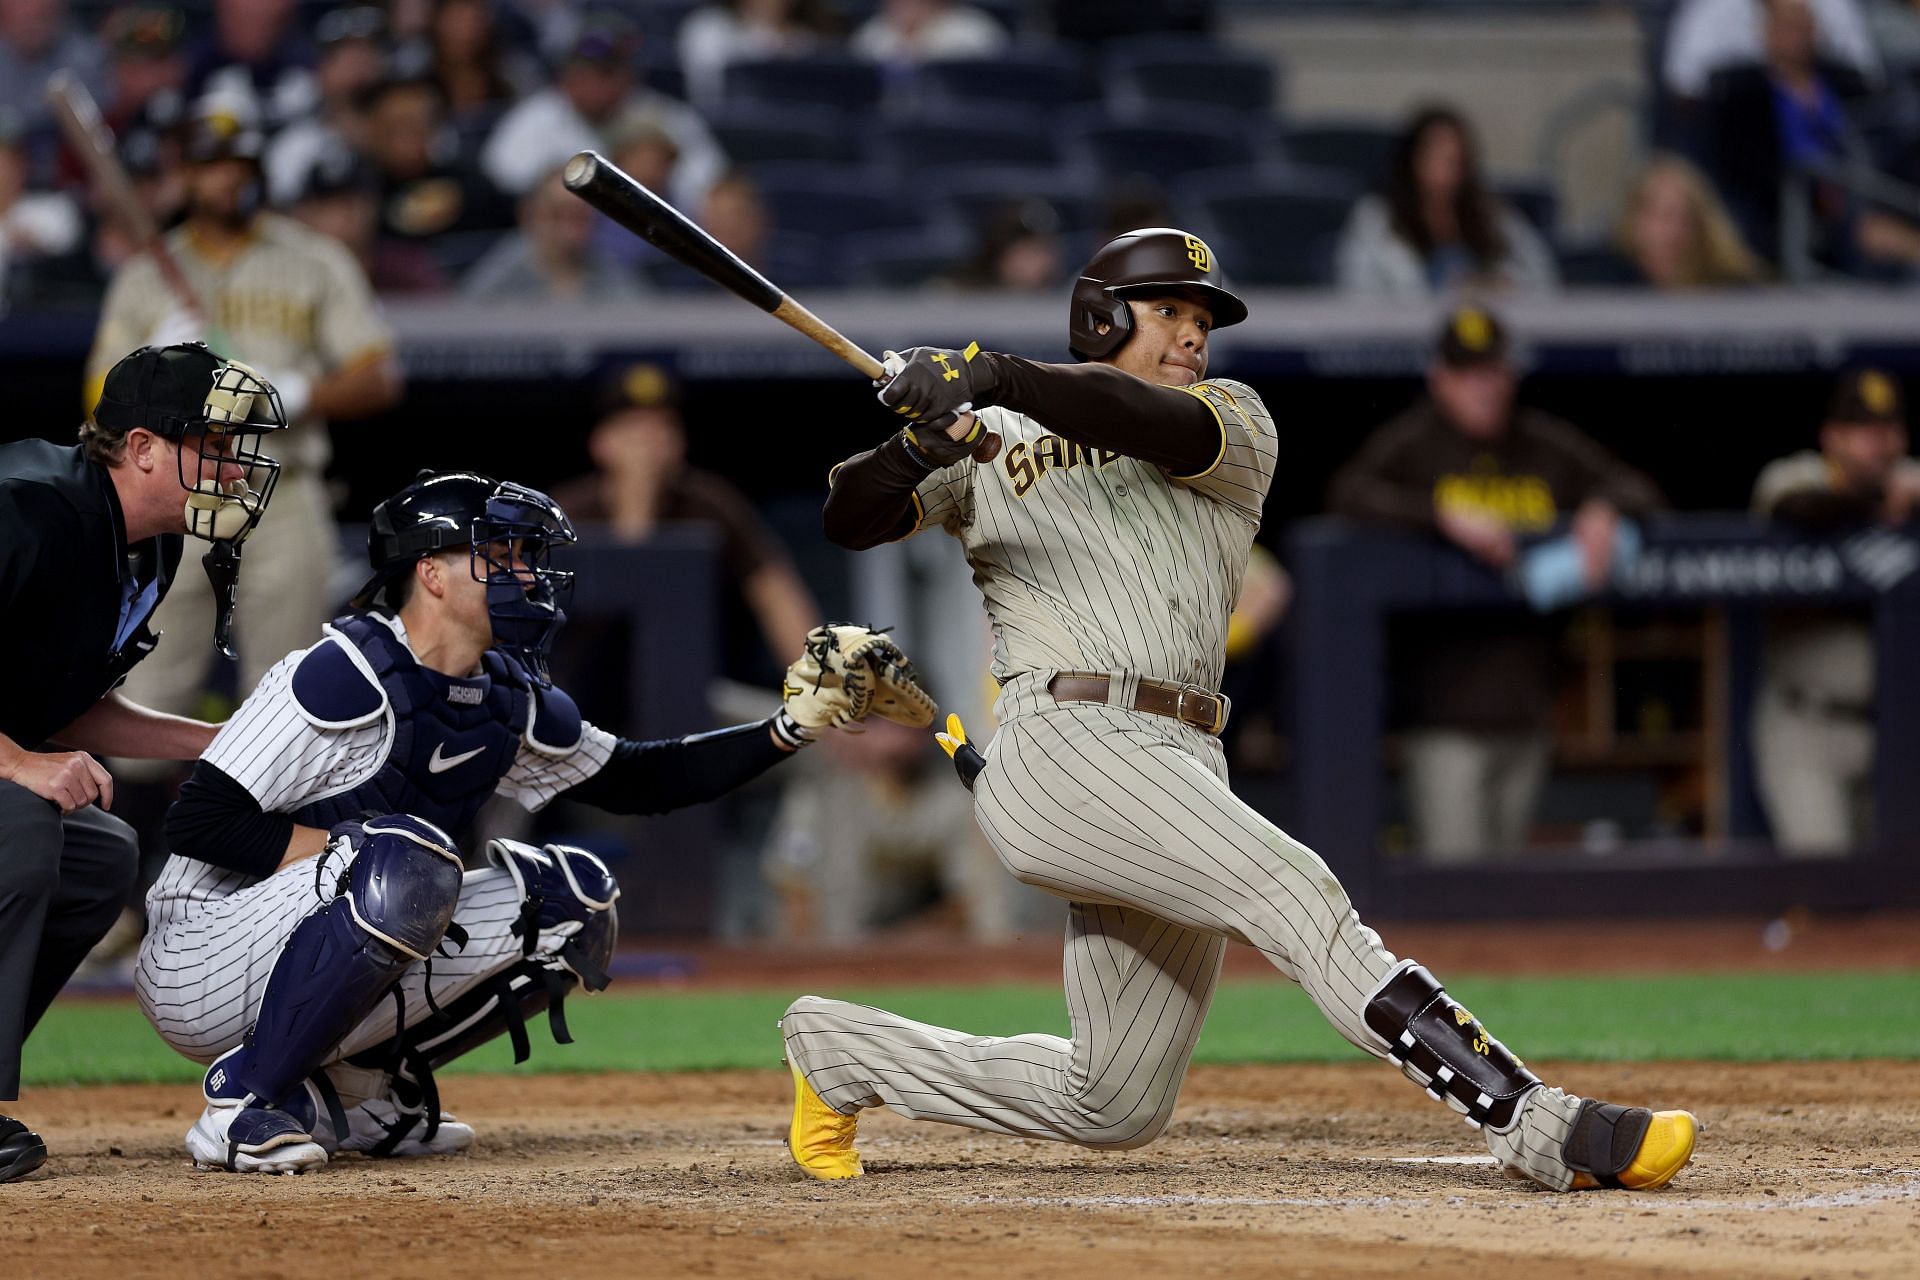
(453, 739)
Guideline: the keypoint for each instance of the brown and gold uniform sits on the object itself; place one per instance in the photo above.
(291, 301)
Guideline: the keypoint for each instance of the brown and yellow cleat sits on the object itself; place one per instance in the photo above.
(1629, 1147)
(820, 1139)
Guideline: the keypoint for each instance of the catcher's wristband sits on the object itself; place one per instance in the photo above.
(791, 733)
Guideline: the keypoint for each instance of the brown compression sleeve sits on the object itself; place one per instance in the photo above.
(870, 499)
(1101, 406)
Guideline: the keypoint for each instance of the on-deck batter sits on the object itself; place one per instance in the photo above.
(1109, 537)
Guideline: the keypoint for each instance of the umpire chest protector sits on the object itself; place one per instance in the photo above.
(450, 740)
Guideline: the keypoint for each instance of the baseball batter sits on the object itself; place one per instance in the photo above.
(1108, 536)
(316, 921)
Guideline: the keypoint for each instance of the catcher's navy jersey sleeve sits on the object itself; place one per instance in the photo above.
(655, 777)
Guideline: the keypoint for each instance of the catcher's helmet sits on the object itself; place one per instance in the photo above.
(433, 513)
(1141, 263)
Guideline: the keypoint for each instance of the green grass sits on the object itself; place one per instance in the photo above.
(1734, 1017)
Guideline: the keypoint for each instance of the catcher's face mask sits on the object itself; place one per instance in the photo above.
(513, 546)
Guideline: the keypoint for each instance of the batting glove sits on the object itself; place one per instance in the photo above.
(931, 386)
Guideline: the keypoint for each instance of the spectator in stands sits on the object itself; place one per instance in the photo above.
(146, 61)
(551, 257)
(479, 75)
(339, 196)
(643, 149)
(255, 52)
(1813, 734)
(1674, 234)
(641, 481)
(1709, 36)
(905, 33)
(595, 93)
(1789, 115)
(715, 35)
(1436, 227)
(1469, 465)
(352, 62)
(33, 224)
(1019, 251)
(735, 215)
(877, 839)
(36, 39)
(426, 195)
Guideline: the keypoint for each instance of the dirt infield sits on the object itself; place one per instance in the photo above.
(1301, 1171)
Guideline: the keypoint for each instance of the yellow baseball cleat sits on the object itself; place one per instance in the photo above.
(820, 1139)
(1629, 1147)
(1664, 1152)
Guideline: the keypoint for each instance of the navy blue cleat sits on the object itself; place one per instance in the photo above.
(239, 1133)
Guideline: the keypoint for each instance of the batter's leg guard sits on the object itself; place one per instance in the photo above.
(394, 905)
(1444, 1049)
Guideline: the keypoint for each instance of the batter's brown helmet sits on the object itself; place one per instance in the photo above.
(1141, 263)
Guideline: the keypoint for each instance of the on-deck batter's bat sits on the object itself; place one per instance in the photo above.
(78, 116)
(616, 193)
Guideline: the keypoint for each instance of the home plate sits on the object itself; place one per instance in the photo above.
(1442, 1160)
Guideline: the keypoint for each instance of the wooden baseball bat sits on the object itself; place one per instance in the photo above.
(78, 116)
(616, 193)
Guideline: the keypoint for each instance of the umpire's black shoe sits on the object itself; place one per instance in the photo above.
(21, 1151)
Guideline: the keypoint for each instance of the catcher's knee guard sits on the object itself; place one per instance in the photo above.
(394, 904)
(1444, 1049)
(569, 912)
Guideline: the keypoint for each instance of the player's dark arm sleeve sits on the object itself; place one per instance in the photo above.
(1373, 488)
(870, 497)
(655, 777)
(1102, 407)
(217, 820)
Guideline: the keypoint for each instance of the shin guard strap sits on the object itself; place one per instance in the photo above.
(1442, 1048)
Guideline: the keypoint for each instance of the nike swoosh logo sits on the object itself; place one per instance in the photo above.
(436, 763)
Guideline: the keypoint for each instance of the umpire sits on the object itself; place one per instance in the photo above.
(90, 538)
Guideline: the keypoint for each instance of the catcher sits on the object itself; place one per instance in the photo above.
(325, 960)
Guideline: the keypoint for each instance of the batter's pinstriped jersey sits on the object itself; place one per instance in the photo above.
(285, 761)
(1089, 561)
(292, 300)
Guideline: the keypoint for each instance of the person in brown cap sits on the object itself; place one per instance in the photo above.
(1470, 465)
(1813, 736)
(641, 481)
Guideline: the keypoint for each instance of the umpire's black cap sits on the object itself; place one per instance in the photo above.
(1868, 397)
(165, 390)
(433, 513)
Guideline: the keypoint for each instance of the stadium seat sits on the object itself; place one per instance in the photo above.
(1272, 226)
(843, 83)
(1025, 76)
(757, 135)
(1146, 72)
(1361, 150)
(1534, 201)
(903, 259)
(976, 194)
(937, 140)
(832, 202)
(1165, 152)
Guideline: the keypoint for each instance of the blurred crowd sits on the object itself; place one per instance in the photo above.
(892, 143)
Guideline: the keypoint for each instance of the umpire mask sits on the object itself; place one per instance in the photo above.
(513, 546)
(218, 413)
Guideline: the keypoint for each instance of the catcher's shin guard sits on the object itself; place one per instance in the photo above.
(394, 905)
(1444, 1049)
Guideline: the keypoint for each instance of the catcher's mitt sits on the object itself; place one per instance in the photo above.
(849, 672)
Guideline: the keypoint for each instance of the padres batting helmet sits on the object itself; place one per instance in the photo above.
(1138, 264)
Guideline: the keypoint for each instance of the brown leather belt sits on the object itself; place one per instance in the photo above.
(1190, 704)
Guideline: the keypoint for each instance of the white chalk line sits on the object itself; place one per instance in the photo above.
(1905, 1189)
